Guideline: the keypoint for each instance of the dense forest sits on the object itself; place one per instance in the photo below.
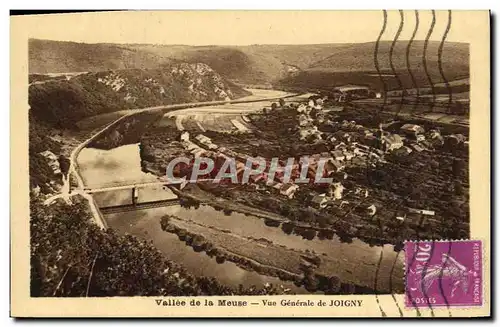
(73, 257)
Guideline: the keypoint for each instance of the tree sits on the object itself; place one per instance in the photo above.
(287, 228)
(310, 282)
(458, 167)
(333, 285)
(309, 234)
(459, 190)
(274, 106)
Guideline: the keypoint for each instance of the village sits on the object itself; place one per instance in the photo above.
(349, 150)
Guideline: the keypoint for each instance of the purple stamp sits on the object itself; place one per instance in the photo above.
(443, 273)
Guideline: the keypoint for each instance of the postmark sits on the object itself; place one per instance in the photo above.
(443, 274)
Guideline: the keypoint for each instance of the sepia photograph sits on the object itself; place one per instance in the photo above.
(277, 154)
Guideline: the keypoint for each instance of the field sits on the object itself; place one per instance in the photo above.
(265, 254)
(249, 237)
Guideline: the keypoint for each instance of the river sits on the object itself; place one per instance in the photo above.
(122, 165)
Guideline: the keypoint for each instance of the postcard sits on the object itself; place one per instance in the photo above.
(251, 164)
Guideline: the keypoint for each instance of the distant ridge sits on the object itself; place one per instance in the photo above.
(250, 64)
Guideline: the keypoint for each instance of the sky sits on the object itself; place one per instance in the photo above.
(242, 27)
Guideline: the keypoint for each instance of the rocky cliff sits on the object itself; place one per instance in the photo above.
(63, 102)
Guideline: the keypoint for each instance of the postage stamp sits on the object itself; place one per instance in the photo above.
(443, 273)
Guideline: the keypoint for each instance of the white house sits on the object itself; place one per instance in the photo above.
(392, 142)
(289, 190)
(319, 201)
(184, 136)
(338, 155)
(422, 211)
(203, 139)
(336, 190)
(372, 210)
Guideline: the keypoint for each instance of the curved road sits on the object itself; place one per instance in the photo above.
(182, 109)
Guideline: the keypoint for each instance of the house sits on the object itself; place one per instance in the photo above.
(53, 161)
(36, 190)
(348, 155)
(420, 137)
(49, 155)
(417, 147)
(212, 146)
(203, 139)
(336, 190)
(422, 211)
(357, 161)
(401, 218)
(270, 182)
(412, 129)
(289, 190)
(362, 146)
(305, 133)
(371, 210)
(304, 120)
(359, 152)
(198, 152)
(302, 108)
(349, 91)
(331, 138)
(258, 178)
(338, 155)
(373, 155)
(333, 166)
(455, 138)
(370, 140)
(319, 201)
(277, 186)
(341, 146)
(433, 133)
(184, 136)
(392, 142)
(404, 151)
(320, 118)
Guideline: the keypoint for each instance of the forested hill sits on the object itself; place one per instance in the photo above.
(252, 64)
(46, 56)
(63, 102)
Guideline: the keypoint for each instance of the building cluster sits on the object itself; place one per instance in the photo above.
(349, 92)
(281, 183)
(351, 145)
(307, 129)
(53, 161)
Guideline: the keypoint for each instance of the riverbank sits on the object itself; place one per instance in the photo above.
(262, 256)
